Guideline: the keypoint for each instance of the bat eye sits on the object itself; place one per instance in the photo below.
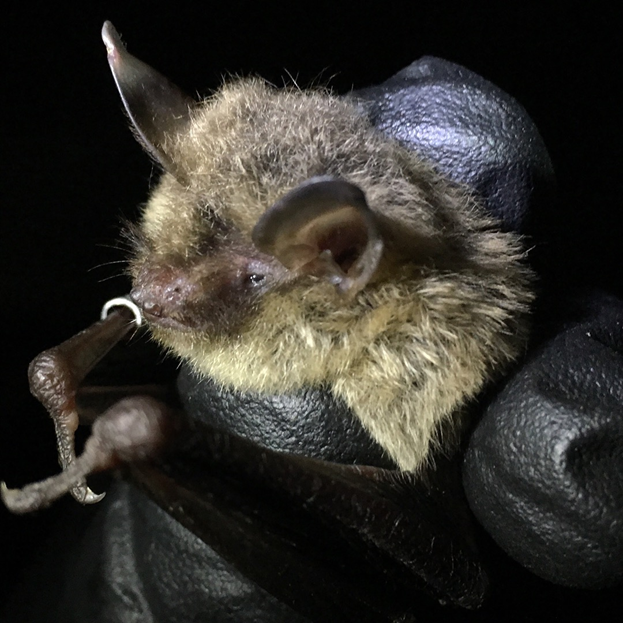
(256, 279)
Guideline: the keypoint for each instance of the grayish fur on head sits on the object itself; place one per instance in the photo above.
(444, 314)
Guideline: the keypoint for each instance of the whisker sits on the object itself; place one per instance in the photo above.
(104, 264)
(118, 276)
(118, 245)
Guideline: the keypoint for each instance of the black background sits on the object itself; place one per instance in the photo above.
(71, 169)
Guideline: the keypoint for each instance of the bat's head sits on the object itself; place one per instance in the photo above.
(289, 242)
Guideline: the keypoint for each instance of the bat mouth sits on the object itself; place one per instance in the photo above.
(166, 322)
(157, 315)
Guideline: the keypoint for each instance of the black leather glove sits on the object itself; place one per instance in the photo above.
(471, 130)
(544, 468)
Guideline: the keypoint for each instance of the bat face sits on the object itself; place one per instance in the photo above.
(290, 244)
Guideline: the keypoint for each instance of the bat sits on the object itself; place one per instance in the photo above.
(291, 245)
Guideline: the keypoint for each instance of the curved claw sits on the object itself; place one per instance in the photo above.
(82, 493)
(123, 301)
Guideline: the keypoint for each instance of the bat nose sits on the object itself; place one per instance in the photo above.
(163, 292)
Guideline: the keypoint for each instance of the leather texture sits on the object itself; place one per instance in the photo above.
(471, 130)
(543, 468)
(310, 422)
(133, 562)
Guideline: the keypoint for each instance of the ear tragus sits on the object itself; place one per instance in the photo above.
(323, 227)
(156, 106)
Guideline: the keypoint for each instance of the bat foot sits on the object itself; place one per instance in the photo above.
(32, 497)
(38, 495)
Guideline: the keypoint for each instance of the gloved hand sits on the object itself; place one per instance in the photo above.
(472, 131)
(543, 470)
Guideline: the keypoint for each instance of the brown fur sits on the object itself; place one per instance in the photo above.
(411, 348)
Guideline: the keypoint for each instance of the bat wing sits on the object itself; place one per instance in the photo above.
(335, 542)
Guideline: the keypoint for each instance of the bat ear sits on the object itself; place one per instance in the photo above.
(325, 228)
(156, 107)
